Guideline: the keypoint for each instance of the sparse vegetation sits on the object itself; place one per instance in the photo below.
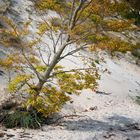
(138, 100)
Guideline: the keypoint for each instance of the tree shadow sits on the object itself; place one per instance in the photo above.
(88, 124)
(113, 125)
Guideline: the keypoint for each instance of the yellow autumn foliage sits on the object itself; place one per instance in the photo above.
(17, 83)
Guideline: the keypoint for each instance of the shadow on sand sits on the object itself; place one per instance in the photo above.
(113, 125)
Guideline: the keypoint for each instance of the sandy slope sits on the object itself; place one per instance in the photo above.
(100, 116)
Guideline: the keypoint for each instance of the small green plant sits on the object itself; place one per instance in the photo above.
(133, 15)
(137, 100)
(136, 53)
(23, 119)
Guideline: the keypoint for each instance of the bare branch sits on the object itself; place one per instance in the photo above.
(31, 66)
(84, 7)
(74, 51)
(40, 54)
(71, 71)
(74, 17)
(72, 10)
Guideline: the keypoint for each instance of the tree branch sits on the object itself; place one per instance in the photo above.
(74, 51)
(70, 71)
(31, 66)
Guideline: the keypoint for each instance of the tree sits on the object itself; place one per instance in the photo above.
(135, 4)
(78, 25)
(135, 11)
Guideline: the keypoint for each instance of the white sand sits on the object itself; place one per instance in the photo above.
(112, 112)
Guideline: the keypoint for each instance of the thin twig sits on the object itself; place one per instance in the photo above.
(56, 122)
